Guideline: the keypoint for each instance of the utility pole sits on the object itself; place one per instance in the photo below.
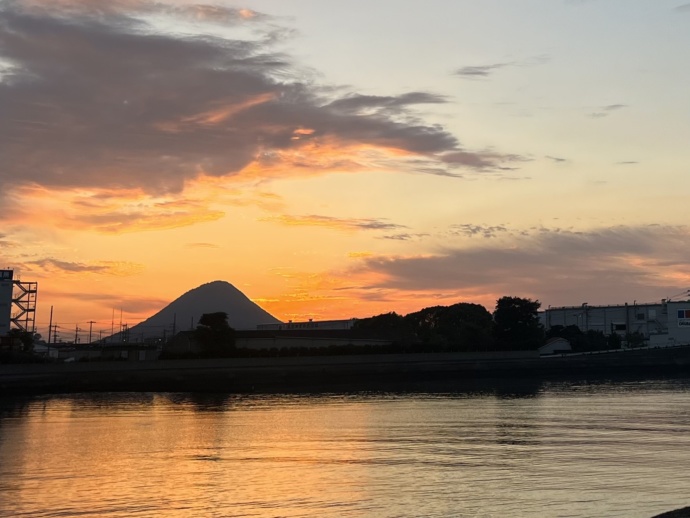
(91, 323)
(76, 334)
(50, 325)
(174, 323)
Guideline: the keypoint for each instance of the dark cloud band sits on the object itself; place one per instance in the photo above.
(95, 96)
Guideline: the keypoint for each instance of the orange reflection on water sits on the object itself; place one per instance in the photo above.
(179, 455)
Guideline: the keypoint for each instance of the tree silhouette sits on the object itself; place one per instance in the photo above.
(516, 324)
(215, 335)
(460, 327)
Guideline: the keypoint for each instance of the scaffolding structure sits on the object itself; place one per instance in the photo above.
(17, 304)
(24, 301)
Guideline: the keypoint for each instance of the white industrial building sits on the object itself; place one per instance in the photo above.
(662, 324)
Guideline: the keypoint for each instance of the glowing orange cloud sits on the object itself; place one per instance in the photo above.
(321, 155)
(49, 266)
(108, 211)
(224, 113)
(301, 132)
(247, 13)
(215, 116)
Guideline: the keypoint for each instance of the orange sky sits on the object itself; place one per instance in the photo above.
(147, 148)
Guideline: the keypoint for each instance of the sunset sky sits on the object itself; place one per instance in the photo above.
(344, 159)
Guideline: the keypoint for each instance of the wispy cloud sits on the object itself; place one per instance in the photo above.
(348, 224)
(356, 103)
(605, 111)
(50, 264)
(404, 236)
(6, 242)
(556, 159)
(141, 305)
(472, 230)
(683, 8)
(481, 160)
(111, 211)
(481, 70)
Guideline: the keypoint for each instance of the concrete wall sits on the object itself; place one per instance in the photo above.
(133, 354)
(279, 342)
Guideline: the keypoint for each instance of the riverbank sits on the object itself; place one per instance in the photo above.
(678, 513)
(337, 373)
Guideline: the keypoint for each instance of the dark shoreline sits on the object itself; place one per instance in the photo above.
(340, 373)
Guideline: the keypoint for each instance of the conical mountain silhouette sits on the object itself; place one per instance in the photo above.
(185, 311)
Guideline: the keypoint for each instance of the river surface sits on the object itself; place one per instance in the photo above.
(558, 450)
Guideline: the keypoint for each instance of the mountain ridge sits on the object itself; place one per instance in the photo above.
(184, 312)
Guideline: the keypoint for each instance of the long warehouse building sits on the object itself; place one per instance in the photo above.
(663, 324)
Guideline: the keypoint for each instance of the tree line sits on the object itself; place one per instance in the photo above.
(513, 326)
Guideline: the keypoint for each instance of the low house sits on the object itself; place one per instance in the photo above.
(556, 345)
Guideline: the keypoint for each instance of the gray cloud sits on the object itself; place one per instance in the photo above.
(471, 230)
(556, 159)
(316, 220)
(481, 70)
(560, 267)
(404, 236)
(50, 264)
(5, 243)
(370, 224)
(356, 103)
(97, 97)
(483, 160)
(684, 8)
(70, 267)
(605, 111)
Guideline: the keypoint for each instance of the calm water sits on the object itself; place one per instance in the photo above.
(564, 450)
